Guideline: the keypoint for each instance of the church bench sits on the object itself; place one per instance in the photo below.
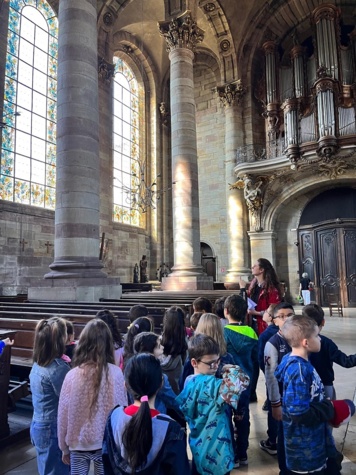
(139, 287)
(67, 309)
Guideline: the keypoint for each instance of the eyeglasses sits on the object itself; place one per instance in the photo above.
(283, 317)
(211, 364)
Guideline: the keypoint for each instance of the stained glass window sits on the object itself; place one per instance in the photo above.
(126, 146)
(28, 150)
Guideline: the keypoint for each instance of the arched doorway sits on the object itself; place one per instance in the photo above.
(327, 245)
(208, 260)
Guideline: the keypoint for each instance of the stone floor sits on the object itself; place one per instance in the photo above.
(21, 458)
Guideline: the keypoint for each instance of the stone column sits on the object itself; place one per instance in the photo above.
(182, 34)
(237, 220)
(76, 269)
(263, 244)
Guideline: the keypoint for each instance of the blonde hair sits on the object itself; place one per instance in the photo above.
(210, 324)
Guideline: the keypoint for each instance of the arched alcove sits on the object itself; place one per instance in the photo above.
(327, 250)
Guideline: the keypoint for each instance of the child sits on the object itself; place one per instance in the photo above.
(175, 346)
(46, 379)
(202, 304)
(90, 391)
(148, 342)
(209, 324)
(275, 349)
(329, 353)
(202, 402)
(137, 311)
(138, 439)
(6, 342)
(271, 330)
(242, 345)
(219, 310)
(306, 412)
(111, 321)
(70, 343)
(141, 324)
(194, 320)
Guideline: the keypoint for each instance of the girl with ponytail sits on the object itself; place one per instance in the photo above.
(138, 439)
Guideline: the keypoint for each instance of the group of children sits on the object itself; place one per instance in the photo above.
(123, 404)
(302, 406)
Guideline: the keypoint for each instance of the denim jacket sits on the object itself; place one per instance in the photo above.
(46, 383)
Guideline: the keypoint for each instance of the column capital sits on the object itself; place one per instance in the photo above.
(181, 32)
(231, 93)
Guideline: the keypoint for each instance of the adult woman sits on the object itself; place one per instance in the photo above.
(263, 290)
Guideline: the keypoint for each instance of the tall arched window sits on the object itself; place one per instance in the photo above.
(128, 169)
(28, 152)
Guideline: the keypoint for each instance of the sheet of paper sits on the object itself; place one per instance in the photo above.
(251, 304)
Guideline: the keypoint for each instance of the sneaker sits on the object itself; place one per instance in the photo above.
(268, 447)
(243, 461)
(237, 464)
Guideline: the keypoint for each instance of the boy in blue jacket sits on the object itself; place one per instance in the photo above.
(203, 402)
(241, 341)
(306, 412)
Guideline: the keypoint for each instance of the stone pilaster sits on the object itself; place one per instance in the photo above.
(237, 219)
(182, 34)
(263, 244)
(77, 270)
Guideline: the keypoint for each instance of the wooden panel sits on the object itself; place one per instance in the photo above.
(349, 238)
(328, 263)
(307, 258)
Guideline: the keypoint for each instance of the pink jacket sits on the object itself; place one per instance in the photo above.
(76, 429)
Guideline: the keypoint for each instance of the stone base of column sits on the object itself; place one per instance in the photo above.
(76, 290)
(186, 282)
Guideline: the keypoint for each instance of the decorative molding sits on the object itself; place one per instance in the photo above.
(181, 32)
(106, 70)
(231, 93)
(333, 169)
(164, 113)
(108, 19)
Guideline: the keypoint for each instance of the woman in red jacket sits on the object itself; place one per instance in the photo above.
(264, 290)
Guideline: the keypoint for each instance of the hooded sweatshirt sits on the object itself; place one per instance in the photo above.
(242, 344)
(307, 435)
(203, 402)
(168, 454)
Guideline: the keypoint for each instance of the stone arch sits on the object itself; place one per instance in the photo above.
(220, 28)
(207, 58)
(300, 193)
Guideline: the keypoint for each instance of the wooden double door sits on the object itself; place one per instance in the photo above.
(327, 253)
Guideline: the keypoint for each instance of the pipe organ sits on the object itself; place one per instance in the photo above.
(310, 97)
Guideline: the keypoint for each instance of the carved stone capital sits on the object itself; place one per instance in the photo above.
(181, 32)
(106, 70)
(231, 93)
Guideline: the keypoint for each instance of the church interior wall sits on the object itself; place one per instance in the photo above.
(26, 246)
(212, 184)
